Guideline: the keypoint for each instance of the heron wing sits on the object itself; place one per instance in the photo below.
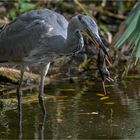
(24, 34)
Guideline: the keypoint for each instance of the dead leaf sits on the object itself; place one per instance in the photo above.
(100, 94)
(104, 98)
(109, 103)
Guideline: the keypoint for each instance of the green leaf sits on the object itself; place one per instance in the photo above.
(100, 94)
(130, 34)
(25, 6)
(104, 98)
(109, 103)
(12, 13)
(103, 28)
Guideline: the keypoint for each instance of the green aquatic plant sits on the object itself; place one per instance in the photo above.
(20, 6)
(128, 38)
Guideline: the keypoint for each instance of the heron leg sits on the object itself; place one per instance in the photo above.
(19, 97)
(41, 127)
(44, 71)
(69, 69)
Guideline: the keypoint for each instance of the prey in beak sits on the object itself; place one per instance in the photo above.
(90, 29)
(105, 75)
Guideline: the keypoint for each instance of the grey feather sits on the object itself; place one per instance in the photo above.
(25, 34)
(40, 36)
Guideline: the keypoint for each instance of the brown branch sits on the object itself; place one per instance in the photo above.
(108, 13)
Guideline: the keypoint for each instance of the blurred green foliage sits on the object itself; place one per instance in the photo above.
(130, 35)
(20, 6)
(24, 6)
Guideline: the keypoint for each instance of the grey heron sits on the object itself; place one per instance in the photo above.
(40, 36)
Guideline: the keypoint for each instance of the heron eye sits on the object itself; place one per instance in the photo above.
(80, 17)
(77, 32)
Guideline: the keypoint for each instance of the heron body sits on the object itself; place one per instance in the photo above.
(39, 36)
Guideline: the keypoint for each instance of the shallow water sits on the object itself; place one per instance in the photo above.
(76, 111)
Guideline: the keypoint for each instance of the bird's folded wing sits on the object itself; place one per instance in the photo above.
(20, 37)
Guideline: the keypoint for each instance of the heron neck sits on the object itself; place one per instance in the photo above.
(71, 41)
(72, 44)
(72, 26)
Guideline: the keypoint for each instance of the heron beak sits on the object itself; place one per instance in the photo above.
(100, 44)
(90, 29)
(96, 40)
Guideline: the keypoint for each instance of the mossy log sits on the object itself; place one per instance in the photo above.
(9, 79)
(9, 75)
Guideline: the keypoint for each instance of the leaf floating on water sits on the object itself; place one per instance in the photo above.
(61, 97)
(104, 98)
(109, 103)
(94, 113)
(84, 113)
(87, 113)
(115, 125)
(68, 137)
(133, 77)
(100, 94)
(75, 78)
(70, 89)
(59, 120)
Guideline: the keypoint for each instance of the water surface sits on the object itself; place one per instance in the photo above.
(75, 111)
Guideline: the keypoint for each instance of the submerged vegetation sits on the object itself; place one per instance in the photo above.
(128, 39)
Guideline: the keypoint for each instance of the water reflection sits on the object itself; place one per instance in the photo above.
(76, 111)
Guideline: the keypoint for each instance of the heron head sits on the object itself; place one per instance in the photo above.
(89, 28)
